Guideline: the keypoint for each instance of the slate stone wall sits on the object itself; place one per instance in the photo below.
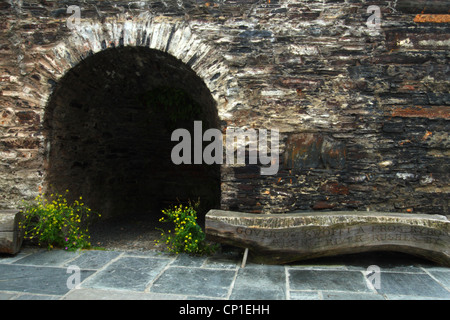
(363, 113)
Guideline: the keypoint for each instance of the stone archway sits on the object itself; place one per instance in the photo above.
(81, 60)
(108, 128)
(106, 57)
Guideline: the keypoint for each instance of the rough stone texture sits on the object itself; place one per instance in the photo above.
(363, 113)
(10, 235)
(298, 236)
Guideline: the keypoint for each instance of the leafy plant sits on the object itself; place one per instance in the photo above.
(187, 236)
(53, 222)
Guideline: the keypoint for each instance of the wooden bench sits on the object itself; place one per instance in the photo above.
(10, 236)
(282, 238)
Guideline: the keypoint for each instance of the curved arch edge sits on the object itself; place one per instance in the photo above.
(174, 36)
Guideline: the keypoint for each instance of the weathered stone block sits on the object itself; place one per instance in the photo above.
(310, 150)
(303, 151)
(10, 235)
(282, 238)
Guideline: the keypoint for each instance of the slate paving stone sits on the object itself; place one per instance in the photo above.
(7, 295)
(304, 295)
(36, 297)
(194, 281)
(256, 282)
(400, 297)
(226, 260)
(8, 258)
(185, 260)
(127, 273)
(411, 284)
(150, 254)
(327, 280)
(257, 294)
(36, 279)
(327, 295)
(99, 294)
(48, 258)
(442, 276)
(93, 259)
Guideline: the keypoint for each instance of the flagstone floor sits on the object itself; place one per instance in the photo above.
(99, 274)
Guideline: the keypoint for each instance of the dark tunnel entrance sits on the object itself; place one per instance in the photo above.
(108, 130)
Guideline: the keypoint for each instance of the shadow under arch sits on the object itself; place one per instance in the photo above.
(107, 129)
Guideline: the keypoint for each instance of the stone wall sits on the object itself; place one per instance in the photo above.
(363, 113)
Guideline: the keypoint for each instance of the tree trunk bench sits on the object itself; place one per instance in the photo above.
(10, 235)
(282, 238)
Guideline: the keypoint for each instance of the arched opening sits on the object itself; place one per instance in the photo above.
(108, 128)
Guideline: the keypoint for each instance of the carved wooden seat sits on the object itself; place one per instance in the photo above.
(10, 235)
(282, 238)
